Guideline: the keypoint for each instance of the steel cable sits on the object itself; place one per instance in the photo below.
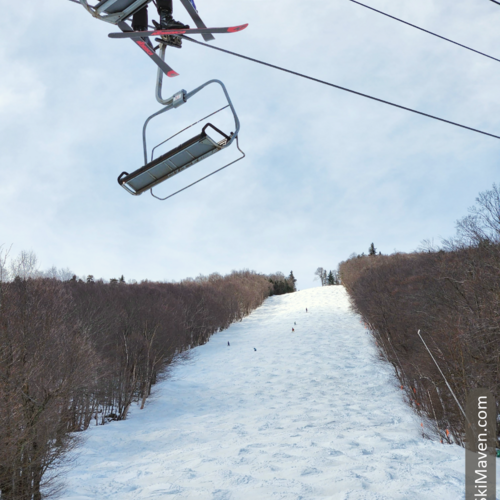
(341, 88)
(426, 31)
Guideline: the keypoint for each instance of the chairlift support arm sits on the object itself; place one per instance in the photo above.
(181, 97)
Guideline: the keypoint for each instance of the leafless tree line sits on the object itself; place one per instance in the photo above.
(452, 295)
(75, 354)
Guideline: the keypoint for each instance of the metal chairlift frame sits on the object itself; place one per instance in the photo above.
(195, 150)
(100, 9)
(123, 9)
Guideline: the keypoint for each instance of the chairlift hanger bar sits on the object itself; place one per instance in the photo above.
(427, 31)
(323, 82)
(171, 103)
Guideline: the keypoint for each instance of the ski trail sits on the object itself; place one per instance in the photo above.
(308, 415)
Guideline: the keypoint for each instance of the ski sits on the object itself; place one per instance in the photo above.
(195, 31)
(142, 43)
(197, 19)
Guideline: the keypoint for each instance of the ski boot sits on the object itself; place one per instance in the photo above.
(167, 22)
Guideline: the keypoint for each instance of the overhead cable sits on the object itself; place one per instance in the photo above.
(341, 88)
(427, 31)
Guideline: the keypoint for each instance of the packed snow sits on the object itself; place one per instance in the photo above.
(277, 414)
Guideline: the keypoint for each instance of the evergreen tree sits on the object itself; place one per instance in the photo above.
(336, 278)
(331, 279)
(372, 250)
(122, 279)
(281, 284)
(90, 278)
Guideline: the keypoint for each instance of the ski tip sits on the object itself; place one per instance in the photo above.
(172, 73)
(235, 29)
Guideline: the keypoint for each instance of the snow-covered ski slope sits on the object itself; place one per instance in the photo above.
(311, 414)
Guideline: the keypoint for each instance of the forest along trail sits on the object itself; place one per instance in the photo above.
(309, 414)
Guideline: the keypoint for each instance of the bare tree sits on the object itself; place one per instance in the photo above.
(43, 360)
(25, 265)
(322, 275)
(482, 225)
(4, 271)
(452, 296)
(72, 352)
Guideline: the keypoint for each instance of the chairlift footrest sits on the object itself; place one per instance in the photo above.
(171, 163)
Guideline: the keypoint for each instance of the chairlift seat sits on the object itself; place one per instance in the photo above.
(112, 7)
(174, 161)
(114, 11)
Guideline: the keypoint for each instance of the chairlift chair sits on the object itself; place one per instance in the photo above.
(196, 149)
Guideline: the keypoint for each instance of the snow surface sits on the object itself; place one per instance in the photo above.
(312, 414)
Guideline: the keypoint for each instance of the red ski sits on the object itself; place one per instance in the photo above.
(195, 31)
(142, 42)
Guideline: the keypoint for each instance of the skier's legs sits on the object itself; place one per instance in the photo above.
(165, 10)
(164, 5)
(140, 19)
(167, 4)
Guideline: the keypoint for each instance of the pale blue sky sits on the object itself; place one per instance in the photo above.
(326, 172)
